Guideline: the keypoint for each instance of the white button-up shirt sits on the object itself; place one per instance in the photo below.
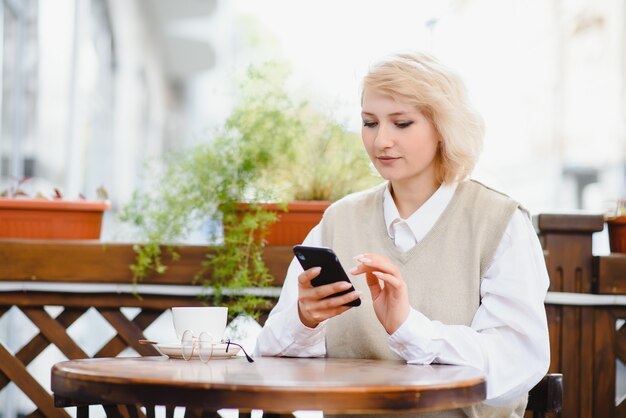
(507, 339)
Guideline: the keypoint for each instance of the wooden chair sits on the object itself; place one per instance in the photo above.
(546, 396)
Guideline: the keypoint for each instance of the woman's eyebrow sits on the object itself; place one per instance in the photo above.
(390, 114)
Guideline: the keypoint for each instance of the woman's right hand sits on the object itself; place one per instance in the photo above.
(313, 308)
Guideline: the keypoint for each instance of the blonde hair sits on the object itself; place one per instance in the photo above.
(439, 94)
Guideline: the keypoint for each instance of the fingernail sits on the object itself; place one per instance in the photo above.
(356, 257)
(359, 293)
(377, 273)
(353, 270)
(365, 260)
(316, 269)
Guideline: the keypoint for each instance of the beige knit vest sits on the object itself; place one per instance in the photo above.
(442, 271)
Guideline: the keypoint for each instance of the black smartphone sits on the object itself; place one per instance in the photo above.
(332, 271)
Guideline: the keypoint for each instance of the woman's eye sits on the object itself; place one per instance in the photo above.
(403, 125)
(369, 124)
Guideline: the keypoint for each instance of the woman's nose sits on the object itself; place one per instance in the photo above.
(384, 137)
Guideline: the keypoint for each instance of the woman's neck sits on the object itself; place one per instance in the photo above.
(410, 197)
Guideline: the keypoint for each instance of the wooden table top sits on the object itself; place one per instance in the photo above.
(271, 384)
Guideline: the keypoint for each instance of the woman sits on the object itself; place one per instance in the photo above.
(453, 271)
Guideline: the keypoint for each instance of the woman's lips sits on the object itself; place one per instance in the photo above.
(387, 159)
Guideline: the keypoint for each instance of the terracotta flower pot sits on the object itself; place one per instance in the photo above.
(617, 234)
(295, 223)
(51, 219)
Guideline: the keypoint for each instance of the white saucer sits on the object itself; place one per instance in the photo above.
(174, 350)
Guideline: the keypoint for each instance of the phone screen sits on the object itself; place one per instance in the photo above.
(331, 272)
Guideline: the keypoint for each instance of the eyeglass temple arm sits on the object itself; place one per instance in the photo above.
(228, 343)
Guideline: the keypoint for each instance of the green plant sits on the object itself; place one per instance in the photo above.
(326, 163)
(206, 183)
(269, 149)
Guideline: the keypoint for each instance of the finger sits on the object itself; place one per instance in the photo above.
(326, 290)
(374, 285)
(377, 262)
(337, 301)
(331, 304)
(320, 310)
(389, 279)
(359, 269)
(304, 278)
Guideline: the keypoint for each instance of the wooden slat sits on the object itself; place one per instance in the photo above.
(116, 345)
(54, 332)
(86, 300)
(277, 415)
(569, 223)
(128, 331)
(586, 361)
(36, 414)
(105, 300)
(554, 314)
(95, 262)
(132, 412)
(112, 411)
(82, 412)
(604, 371)
(39, 343)
(277, 259)
(620, 411)
(570, 361)
(84, 262)
(18, 374)
(620, 343)
(193, 413)
(611, 271)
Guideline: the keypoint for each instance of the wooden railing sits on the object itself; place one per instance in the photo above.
(24, 265)
(587, 299)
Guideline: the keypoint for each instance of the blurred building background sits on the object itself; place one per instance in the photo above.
(94, 89)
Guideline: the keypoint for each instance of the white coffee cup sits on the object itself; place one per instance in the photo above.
(197, 319)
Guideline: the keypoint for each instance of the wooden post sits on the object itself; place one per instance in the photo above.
(566, 240)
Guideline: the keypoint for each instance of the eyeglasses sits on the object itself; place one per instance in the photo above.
(204, 344)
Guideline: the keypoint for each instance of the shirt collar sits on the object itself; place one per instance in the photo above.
(423, 219)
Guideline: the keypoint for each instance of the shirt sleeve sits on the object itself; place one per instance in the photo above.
(508, 337)
(283, 333)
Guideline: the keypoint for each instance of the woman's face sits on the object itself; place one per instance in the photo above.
(400, 140)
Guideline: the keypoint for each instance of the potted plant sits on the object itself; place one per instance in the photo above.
(256, 162)
(616, 222)
(325, 164)
(206, 184)
(39, 217)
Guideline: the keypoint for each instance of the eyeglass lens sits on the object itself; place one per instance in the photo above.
(187, 345)
(205, 346)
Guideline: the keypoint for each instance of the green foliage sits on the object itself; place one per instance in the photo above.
(238, 265)
(326, 163)
(269, 149)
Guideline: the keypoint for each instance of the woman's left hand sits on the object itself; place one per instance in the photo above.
(391, 300)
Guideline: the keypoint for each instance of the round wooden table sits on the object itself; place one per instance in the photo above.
(272, 384)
